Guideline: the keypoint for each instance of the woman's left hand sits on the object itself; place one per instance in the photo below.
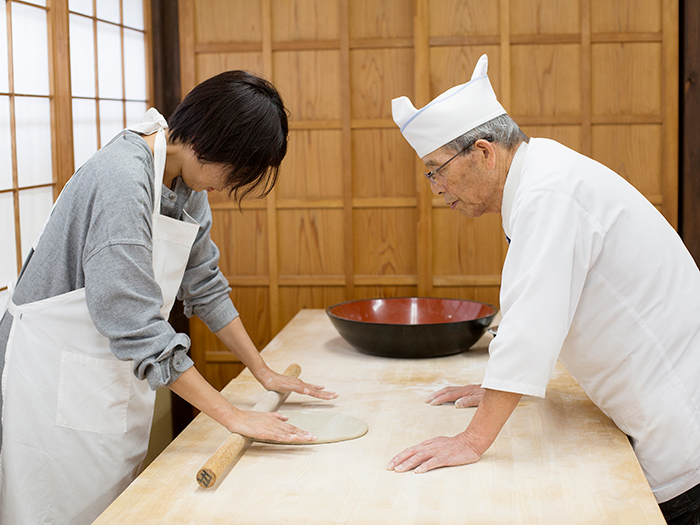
(280, 383)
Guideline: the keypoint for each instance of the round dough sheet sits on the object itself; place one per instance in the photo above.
(328, 427)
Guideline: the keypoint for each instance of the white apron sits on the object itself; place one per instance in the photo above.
(76, 422)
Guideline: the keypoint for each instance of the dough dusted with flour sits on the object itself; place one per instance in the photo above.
(328, 427)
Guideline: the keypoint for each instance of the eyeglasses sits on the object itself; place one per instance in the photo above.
(431, 174)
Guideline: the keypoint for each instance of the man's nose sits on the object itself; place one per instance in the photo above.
(436, 189)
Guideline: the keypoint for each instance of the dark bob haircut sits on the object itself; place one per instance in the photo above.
(237, 119)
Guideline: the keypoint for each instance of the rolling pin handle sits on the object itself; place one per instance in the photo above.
(232, 446)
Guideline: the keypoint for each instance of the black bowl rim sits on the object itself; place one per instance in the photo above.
(328, 311)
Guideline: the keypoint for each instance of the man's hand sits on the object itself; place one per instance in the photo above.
(437, 452)
(463, 396)
(494, 410)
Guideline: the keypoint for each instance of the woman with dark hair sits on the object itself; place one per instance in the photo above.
(85, 340)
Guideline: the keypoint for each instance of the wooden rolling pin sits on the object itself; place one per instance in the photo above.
(233, 445)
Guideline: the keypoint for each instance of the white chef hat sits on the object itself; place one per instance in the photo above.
(450, 115)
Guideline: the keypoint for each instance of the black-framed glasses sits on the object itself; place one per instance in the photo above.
(431, 174)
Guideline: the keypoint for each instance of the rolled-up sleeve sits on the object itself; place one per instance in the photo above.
(124, 303)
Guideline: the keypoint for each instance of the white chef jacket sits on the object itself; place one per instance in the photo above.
(596, 277)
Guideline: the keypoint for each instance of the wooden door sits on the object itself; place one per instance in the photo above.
(352, 216)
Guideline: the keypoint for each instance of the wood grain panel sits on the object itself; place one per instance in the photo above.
(312, 168)
(382, 163)
(633, 152)
(465, 246)
(310, 242)
(295, 298)
(220, 373)
(369, 292)
(242, 237)
(209, 65)
(377, 76)
(387, 245)
(625, 16)
(457, 17)
(546, 80)
(309, 82)
(227, 20)
(568, 135)
(485, 294)
(253, 305)
(541, 17)
(304, 20)
(450, 66)
(626, 79)
(385, 19)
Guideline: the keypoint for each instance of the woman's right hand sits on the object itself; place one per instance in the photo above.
(271, 426)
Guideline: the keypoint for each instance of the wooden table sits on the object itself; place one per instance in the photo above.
(557, 460)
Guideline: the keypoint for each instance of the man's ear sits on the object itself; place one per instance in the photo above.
(487, 152)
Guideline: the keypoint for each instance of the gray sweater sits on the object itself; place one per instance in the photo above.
(99, 238)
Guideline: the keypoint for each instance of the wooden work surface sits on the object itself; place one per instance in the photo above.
(557, 460)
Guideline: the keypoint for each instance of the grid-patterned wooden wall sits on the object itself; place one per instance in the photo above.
(352, 216)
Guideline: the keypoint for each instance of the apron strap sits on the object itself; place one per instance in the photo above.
(153, 122)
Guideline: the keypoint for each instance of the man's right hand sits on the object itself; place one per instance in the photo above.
(462, 396)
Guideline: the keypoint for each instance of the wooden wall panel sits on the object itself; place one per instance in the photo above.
(548, 80)
(452, 65)
(382, 164)
(459, 18)
(634, 153)
(314, 20)
(219, 21)
(208, 65)
(313, 166)
(310, 242)
(626, 16)
(377, 76)
(242, 238)
(545, 17)
(638, 74)
(387, 242)
(369, 19)
(310, 83)
(352, 215)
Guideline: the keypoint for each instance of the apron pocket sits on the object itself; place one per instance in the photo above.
(93, 394)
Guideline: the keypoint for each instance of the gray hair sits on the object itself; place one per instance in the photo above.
(501, 130)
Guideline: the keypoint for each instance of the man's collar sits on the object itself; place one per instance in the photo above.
(511, 186)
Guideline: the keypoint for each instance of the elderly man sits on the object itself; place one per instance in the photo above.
(594, 277)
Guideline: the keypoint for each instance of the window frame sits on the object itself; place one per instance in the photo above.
(61, 98)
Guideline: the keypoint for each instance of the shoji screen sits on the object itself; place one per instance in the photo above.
(108, 70)
(26, 145)
(72, 74)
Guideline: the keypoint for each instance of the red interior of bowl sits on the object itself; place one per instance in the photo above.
(412, 310)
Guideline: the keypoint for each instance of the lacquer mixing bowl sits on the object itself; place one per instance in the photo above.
(411, 327)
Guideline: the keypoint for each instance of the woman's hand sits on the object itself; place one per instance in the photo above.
(463, 396)
(267, 425)
(280, 383)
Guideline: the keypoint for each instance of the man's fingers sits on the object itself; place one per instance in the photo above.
(468, 401)
(429, 465)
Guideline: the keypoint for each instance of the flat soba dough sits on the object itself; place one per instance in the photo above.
(328, 427)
